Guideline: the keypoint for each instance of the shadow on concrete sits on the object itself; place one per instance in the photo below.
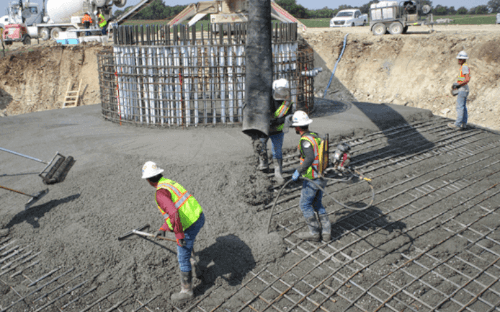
(370, 219)
(36, 212)
(339, 99)
(229, 258)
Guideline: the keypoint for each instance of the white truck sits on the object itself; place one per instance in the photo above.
(349, 18)
(58, 16)
(498, 18)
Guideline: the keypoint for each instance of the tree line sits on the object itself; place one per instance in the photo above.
(158, 10)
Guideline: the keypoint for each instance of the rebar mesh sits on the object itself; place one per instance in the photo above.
(163, 76)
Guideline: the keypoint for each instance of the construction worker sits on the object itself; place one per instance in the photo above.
(462, 85)
(183, 215)
(86, 21)
(103, 23)
(280, 110)
(311, 195)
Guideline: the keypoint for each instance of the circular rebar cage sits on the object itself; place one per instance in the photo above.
(182, 76)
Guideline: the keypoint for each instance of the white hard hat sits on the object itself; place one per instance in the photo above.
(300, 119)
(281, 89)
(280, 83)
(462, 55)
(150, 170)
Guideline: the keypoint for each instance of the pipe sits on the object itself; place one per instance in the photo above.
(335, 68)
(259, 74)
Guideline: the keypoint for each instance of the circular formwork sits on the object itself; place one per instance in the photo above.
(180, 77)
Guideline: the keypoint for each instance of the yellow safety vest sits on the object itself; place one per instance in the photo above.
(280, 112)
(102, 21)
(187, 206)
(313, 171)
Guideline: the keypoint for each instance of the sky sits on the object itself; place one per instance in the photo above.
(310, 4)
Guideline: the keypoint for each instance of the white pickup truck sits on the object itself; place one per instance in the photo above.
(349, 18)
(498, 18)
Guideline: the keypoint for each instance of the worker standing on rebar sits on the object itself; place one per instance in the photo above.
(103, 23)
(86, 21)
(462, 85)
(311, 195)
(280, 110)
(184, 216)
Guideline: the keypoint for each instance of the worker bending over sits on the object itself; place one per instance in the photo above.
(280, 109)
(311, 195)
(462, 85)
(183, 215)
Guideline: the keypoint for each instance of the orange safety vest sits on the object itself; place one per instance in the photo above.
(86, 18)
(313, 170)
(461, 76)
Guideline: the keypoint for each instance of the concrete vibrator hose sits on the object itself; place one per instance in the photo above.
(356, 174)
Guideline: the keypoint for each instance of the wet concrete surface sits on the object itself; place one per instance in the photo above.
(421, 171)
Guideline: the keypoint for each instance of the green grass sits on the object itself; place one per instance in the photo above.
(470, 19)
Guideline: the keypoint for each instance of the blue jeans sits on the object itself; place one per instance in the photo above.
(105, 29)
(276, 144)
(310, 198)
(462, 109)
(184, 253)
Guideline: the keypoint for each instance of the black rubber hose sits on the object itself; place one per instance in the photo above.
(324, 191)
(259, 69)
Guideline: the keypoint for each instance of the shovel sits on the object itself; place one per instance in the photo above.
(33, 198)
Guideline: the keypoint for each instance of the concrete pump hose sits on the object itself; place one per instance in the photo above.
(259, 73)
(335, 68)
(328, 194)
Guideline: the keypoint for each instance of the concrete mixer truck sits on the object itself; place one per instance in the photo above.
(52, 19)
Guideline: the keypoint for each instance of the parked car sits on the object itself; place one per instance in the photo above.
(498, 18)
(349, 18)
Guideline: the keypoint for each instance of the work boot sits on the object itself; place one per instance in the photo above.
(326, 228)
(453, 126)
(278, 172)
(263, 162)
(186, 292)
(313, 234)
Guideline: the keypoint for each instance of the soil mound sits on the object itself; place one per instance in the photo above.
(416, 69)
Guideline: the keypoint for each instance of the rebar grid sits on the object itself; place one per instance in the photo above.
(57, 287)
(178, 77)
(357, 270)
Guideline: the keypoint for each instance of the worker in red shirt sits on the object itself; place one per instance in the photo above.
(183, 215)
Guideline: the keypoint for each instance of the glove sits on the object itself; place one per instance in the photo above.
(160, 233)
(295, 175)
(181, 242)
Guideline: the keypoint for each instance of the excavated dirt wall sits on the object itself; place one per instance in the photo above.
(416, 69)
(36, 78)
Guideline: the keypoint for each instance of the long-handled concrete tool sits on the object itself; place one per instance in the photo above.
(138, 231)
(33, 198)
(58, 168)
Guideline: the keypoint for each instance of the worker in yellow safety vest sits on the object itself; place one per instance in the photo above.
(311, 195)
(103, 23)
(281, 111)
(183, 215)
(462, 86)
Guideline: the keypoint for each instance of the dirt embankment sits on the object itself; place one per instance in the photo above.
(36, 78)
(416, 69)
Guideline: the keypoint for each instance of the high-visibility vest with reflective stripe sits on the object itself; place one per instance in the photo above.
(461, 76)
(313, 170)
(280, 112)
(86, 18)
(102, 21)
(187, 206)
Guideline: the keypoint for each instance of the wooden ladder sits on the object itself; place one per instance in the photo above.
(72, 97)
